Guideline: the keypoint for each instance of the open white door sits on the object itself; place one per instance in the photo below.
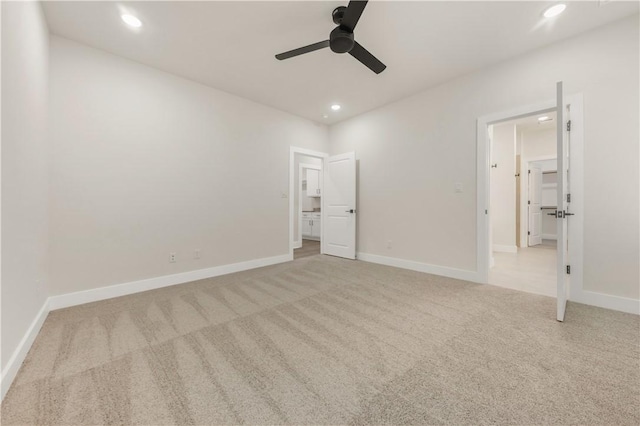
(535, 205)
(561, 213)
(339, 206)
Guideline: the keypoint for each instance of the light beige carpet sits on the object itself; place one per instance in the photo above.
(328, 341)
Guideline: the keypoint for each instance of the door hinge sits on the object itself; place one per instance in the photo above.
(528, 233)
(568, 269)
(529, 202)
(569, 126)
(529, 171)
(568, 198)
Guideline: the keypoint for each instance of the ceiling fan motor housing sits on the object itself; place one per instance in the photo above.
(341, 41)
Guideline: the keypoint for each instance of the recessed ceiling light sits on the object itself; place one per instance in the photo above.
(131, 20)
(555, 10)
(325, 115)
(543, 118)
(335, 107)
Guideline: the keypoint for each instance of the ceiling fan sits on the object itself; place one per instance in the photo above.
(341, 39)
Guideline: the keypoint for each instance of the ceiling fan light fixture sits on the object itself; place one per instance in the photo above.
(131, 20)
(335, 107)
(555, 10)
(341, 38)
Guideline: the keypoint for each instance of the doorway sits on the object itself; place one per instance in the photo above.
(523, 190)
(570, 201)
(305, 203)
(330, 183)
(309, 206)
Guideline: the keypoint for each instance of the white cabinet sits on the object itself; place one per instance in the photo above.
(311, 226)
(316, 225)
(313, 183)
(306, 224)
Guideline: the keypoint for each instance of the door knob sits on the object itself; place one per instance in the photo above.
(350, 211)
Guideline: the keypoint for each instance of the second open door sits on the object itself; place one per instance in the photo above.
(339, 206)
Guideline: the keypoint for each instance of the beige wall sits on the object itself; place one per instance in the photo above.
(412, 153)
(538, 143)
(25, 57)
(145, 163)
(503, 186)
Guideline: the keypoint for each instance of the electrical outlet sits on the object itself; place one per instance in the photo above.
(458, 187)
(196, 254)
(284, 195)
(389, 244)
(172, 258)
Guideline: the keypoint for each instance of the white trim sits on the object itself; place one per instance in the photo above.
(297, 244)
(460, 274)
(549, 236)
(293, 150)
(17, 358)
(117, 290)
(108, 292)
(607, 301)
(505, 248)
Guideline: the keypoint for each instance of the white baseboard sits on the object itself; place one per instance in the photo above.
(505, 249)
(297, 244)
(18, 356)
(108, 292)
(607, 301)
(549, 236)
(460, 274)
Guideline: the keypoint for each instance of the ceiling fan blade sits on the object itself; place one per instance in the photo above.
(352, 14)
(303, 50)
(363, 55)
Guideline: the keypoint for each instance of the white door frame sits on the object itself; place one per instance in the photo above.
(293, 150)
(301, 167)
(483, 211)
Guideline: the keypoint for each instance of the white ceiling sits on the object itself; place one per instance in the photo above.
(231, 45)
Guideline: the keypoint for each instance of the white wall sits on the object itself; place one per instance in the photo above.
(538, 143)
(503, 187)
(25, 58)
(412, 152)
(145, 163)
